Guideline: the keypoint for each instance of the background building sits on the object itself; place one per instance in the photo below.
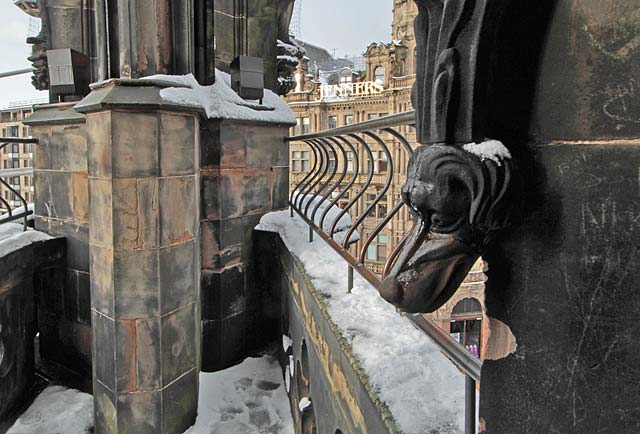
(14, 155)
(381, 88)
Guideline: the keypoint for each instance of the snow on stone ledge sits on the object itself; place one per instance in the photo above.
(423, 390)
(489, 149)
(219, 100)
(57, 410)
(12, 237)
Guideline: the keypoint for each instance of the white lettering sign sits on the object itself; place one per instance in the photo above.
(345, 91)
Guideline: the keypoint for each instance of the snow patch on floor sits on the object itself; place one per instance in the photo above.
(220, 101)
(421, 387)
(57, 410)
(13, 237)
(247, 398)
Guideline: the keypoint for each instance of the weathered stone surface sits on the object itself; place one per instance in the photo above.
(139, 413)
(135, 145)
(101, 193)
(99, 150)
(178, 137)
(135, 213)
(55, 194)
(178, 267)
(178, 209)
(102, 277)
(136, 284)
(149, 357)
(104, 350)
(245, 192)
(180, 403)
(280, 189)
(178, 344)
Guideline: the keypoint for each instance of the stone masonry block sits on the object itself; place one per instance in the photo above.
(178, 342)
(178, 274)
(80, 193)
(55, 197)
(102, 274)
(67, 148)
(99, 150)
(280, 188)
(135, 144)
(245, 192)
(178, 205)
(104, 367)
(210, 195)
(135, 213)
(177, 144)
(148, 356)
(136, 286)
(101, 197)
(140, 413)
(180, 403)
(126, 359)
(105, 415)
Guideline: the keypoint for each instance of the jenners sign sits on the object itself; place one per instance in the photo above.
(343, 91)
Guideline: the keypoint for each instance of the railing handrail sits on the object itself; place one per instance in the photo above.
(18, 140)
(18, 171)
(22, 171)
(404, 118)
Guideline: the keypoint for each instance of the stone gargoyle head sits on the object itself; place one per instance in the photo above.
(458, 196)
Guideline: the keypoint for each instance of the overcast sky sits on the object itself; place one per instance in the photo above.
(347, 26)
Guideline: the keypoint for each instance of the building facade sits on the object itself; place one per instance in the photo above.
(16, 156)
(383, 88)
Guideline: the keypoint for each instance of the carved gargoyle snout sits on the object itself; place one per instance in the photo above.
(457, 200)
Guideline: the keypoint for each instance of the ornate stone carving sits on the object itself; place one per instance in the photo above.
(459, 192)
(288, 51)
(459, 201)
(38, 58)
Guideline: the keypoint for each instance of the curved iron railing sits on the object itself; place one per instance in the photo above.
(24, 212)
(323, 188)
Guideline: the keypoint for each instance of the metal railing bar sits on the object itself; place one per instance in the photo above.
(7, 173)
(325, 160)
(22, 200)
(380, 195)
(363, 189)
(405, 118)
(356, 172)
(336, 185)
(470, 421)
(462, 358)
(326, 195)
(7, 140)
(296, 190)
(312, 182)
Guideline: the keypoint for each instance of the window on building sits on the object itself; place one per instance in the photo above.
(348, 119)
(298, 127)
(377, 251)
(306, 124)
(26, 197)
(332, 165)
(333, 122)
(466, 321)
(378, 75)
(381, 207)
(26, 181)
(381, 163)
(300, 161)
(349, 161)
(346, 76)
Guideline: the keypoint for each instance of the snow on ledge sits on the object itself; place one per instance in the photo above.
(13, 238)
(489, 149)
(219, 100)
(423, 390)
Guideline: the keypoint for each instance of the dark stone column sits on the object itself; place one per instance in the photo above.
(143, 168)
(565, 280)
(244, 175)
